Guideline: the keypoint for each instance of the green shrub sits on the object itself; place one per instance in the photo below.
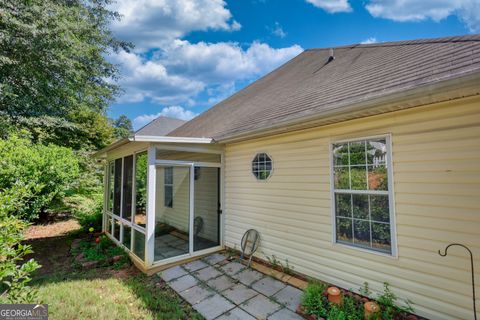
(35, 175)
(14, 273)
(87, 210)
(102, 251)
(388, 304)
(313, 299)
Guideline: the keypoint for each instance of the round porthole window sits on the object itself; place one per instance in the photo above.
(262, 166)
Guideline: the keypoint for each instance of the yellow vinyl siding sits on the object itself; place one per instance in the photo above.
(436, 169)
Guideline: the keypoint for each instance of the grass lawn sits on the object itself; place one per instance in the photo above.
(100, 293)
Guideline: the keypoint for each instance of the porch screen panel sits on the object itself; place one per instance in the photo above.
(206, 222)
(168, 177)
(111, 175)
(127, 232)
(117, 187)
(127, 187)
(172, 223)
(141, 189)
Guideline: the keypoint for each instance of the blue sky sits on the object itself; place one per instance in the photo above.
(191, 54)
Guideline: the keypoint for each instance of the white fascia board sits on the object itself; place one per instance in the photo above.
(168, 139)
(164, 139)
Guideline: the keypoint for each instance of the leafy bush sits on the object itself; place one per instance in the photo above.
(14, 276)
(388, 303)
(315, 301)
(87, 210)
(102, 251)
(41, 174)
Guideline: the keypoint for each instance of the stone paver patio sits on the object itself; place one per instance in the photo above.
(224, 290)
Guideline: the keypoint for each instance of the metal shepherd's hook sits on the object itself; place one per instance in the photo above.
(473, 272)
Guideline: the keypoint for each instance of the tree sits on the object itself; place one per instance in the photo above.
(122, 127)
(53, 65)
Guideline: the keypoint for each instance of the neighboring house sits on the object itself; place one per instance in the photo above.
(357, 166)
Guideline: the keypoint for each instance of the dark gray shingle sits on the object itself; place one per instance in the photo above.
(306, 85)
(161, 126)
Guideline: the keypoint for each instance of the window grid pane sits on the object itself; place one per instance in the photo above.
(361, 175)
(262, 166)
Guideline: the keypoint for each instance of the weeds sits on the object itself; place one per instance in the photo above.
(103, 252)
(315, 301)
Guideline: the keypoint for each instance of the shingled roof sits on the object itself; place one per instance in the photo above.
(307, 85)
(161, 126)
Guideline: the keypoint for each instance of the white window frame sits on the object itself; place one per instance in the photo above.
(271, 170)
(390, 192)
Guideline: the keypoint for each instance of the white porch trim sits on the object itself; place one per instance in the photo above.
(151, 183)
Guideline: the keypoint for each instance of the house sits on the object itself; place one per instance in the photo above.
(355, 164)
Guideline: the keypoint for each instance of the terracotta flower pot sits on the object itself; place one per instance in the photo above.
(372, 310)
(335, 296)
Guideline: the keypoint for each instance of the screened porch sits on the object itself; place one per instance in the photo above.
(163, 201)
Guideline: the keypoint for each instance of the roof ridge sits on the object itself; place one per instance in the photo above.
(453, 39)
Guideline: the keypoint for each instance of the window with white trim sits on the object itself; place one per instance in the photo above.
(262, 166)
(168, 184)
(362, 195)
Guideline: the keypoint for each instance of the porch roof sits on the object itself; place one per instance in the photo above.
(135, 138)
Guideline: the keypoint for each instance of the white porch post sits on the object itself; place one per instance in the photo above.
(151, 186)
(105, 196)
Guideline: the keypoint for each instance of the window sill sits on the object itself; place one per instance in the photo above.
(343, 246)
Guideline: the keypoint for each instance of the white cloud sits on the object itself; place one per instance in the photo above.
(278, 31)
(224, 62)
(167, 70)
(149, 23)
(369, 40)
(179, 72)
(171, 112)
(468, 11)
(143, 79)
(332, 6)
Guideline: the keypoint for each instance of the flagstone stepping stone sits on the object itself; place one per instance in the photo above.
(235, 314)
(196, 294)
(214, 306)
(221, 283)
(214, 258)
(260, 307)
(207, 273)
(232, 268)
(289, 296)
(268, 286)
(183, 283)
(172, 273)
(239, 293)
(285, 314)
(195, 265)
(248, 276)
